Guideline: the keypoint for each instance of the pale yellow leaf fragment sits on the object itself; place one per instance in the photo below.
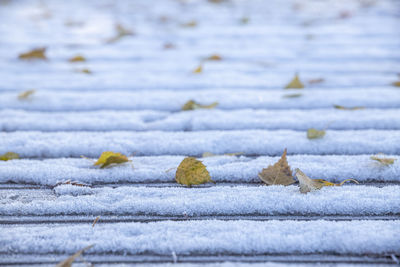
(121, 32)
(307, 184)
(347, 108)
(192, 105)
(108, 157)
(214, 57)
(295, 83)
(84, 71)
(68, 262)
(9, 156)
(26, 94)
(198, 70)
(190, 24)
(315, 134)
(77, 58)
(192, 172)
(278, 174)
(383, 160)
(38, 53)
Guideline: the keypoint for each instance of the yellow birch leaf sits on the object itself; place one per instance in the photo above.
(192, 105)
(384, 161)
(347, 108)
(108, 157)
(295, 83)
(190, 24)
(315, 134)
(38, 53)
(214, 57)
(198, 70)
(68, 262)
(26, 94)
(9, 156)
(292, 95)
(192, 172)
(279, 173)
(307, 184)
(77, 58)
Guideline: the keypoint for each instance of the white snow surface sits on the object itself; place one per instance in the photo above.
(221, 168)
(207, 237)
(355, 200)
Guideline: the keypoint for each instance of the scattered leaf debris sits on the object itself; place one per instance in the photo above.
(295, 83)
(95, 221)
(38, 53)
(192, 105)
(68, 262)
(209, 154)
(121, 32)
(26, 94)
(77, 58)
(383, 160)
(74, 183)
(347, 108)
(192, 172)
(190, 24)
(9, 156)
(307, 184)
(244, 20)
(108, 158)
(313, 133)
(279, 173)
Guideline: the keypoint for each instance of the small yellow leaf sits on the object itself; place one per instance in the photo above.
(397, 84)
(25, 95)
(77, 58)
(84, 71)
(384, 161)
(190, 24)
(192, 105)
(38, 53)
(214, 57)
(121, 32)
(9, 156)
(68, 262)
(295, 83)
(315, 134)
(307, 184)
(198, 70)
(292, 95)
(347, 108)
(108, 157)
(192, 172)
(279, 173)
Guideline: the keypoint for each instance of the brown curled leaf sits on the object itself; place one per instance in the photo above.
(278, 174)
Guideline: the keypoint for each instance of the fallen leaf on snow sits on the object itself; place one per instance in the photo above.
(26, 94)
(279, 173)
(9, 156)
(95, 221)
(292, 95)
(198, 70)
(108, 157)
(38, 53)
(74, 183)
(209, 154)
(397, 84)
(295, 83)
(84, 71)
(192, 105)
(68, 262)
(307, 184)
(315, 134)
(214, 57)
(192, 172)
(190, 24)
(121, 32)
(347, 108)
(383, 160)
(77, 58)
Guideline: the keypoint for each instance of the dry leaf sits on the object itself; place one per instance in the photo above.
(192, 105)
(314, 81)
(279, 173)
(95, 221)
(214, 57)
(74, 183)
(121, 32)
(347, 108)
(198, 70)
(108, 157)
(85, 71)
(25, 95)
(190, 24)
(382, 160)
(397, 84)
(192, 172)
(9, 156)
(295, 83)
(68, 262)
(77, 58)
(292, 95)
(315, 134)
(307, 184)
(38, 53)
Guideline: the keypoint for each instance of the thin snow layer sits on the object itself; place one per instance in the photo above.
(221, 168)
(167, 100)
(250, 142)
(200, 120)
(354, 200)
(207, 237)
